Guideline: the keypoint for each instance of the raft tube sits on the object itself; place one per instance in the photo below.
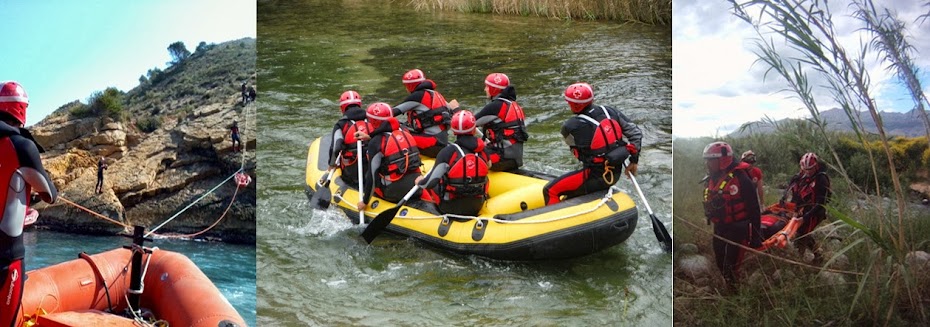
(513, 225)
(92, 290)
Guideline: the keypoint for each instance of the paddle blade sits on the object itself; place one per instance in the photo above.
(661, 233)
(379, 223)
(321, 198)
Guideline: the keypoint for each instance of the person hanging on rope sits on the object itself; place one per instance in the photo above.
(343, 145)
(22, 173)
(458, 182)
(595, 137)
(502, 123)
(810, 191)
(732, 205)
(394, 159)
(101, 166)
(427, 112)
(234, 133)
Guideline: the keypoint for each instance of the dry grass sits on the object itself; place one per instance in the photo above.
(652, 12)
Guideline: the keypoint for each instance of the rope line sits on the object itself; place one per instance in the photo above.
(193, 203)
(797, 263)
(65, 200)
(187, 236)
(600, 203)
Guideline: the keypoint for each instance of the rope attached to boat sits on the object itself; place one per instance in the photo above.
(193, 203)
(192, 235)
(65, 200)
(607, 196)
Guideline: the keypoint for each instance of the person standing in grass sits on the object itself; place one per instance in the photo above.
(810, 191)
(732, 205)
(755, 173)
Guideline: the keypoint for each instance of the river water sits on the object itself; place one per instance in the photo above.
(231, 267)
(315, 270)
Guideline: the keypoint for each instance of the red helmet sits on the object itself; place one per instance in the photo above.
(379, 111)
(809, 161)
(463, 122)
(13, 100)
(721, 151)
(579, 96)
(347, 98)
(496, 82)
(413, 78)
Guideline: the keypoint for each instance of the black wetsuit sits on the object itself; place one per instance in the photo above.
(506, 150)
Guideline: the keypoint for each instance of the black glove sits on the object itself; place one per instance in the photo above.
(755, 237)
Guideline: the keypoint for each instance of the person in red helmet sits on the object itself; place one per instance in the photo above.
(594, 136)
(21, 174)
(427, 112)
(343, 145)
(755, 173)
(810, 191)
(394, 158)
(502, 123)
(732, 205)
(458, 182)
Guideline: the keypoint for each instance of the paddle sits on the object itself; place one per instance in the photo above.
(361, 182)
(323, 195)
(385, 217)
(657, 227)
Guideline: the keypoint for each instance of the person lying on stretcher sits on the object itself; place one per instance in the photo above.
(779, 225)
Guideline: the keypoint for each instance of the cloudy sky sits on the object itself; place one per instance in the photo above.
(61, 51)
(718, 86)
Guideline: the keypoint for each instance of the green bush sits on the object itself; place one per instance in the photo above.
(149, 124)
(107, 103)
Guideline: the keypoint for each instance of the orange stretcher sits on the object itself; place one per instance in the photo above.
(779, 225)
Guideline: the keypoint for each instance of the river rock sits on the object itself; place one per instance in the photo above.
(836, 280)
(919, 260)
(695, 267)
(686, 249)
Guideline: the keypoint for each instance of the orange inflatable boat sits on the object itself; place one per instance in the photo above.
(94, 290)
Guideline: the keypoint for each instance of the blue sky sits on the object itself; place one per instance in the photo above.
(717, 85)
(62, 51)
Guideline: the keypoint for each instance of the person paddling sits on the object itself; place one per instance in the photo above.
(503, 123)
(458, 182)
(394, 160)
(427, 112)
(343, 136)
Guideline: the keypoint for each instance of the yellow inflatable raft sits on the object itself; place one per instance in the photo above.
(513, 225)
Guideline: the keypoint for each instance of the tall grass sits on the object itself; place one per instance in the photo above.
(652, 12)
(798, 43)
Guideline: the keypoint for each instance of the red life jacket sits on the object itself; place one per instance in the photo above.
(400, 155)
(723, 200)
(804, 190)
(349, 152)
(438, 114)
(512, 126)
(10, 248)
(607, 136)
(467, 175)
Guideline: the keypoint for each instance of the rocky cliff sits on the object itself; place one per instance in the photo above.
(169, 146)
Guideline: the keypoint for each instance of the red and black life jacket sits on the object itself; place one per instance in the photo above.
(512, 126)
(350, 151)
(723, 200)
(11, 246)
(804, 189)
(467, 175)
(438, 113)
(400, 155)
(608, 135)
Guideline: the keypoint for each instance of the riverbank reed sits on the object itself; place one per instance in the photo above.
(651, 12)
(875, 265)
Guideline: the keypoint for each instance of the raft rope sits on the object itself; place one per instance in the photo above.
(797, 263)
(193, 203)
(65, 200)
(106, 288)
(607, 197)
(192, 235)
